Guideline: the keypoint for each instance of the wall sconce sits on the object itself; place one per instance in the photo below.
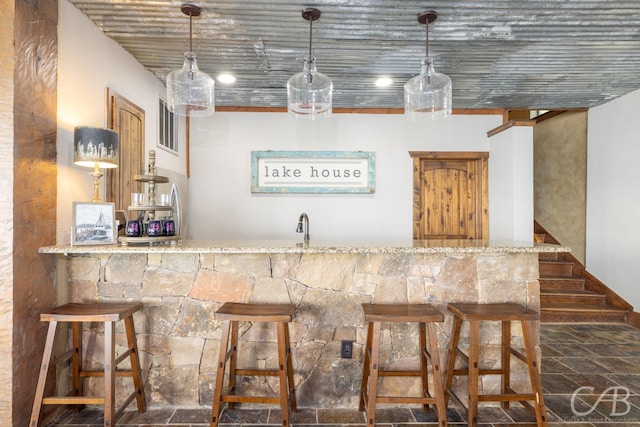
(427, 96)
(309, 93)
(95, 148)
(190, 92)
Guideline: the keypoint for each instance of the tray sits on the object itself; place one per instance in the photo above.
(160, 240)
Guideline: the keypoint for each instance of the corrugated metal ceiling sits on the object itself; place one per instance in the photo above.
(499, 54)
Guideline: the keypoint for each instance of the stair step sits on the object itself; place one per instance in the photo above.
(564, 296)
(551, 256)
(555, 268)
(557, 312)
(566, 283)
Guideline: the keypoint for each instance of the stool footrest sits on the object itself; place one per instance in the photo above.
(249, 399)
(464, 372)
(521, 398)
(93, 374)
(407, 399)
(505, 397)
(382, 373)
(72, 400)
(258, 372)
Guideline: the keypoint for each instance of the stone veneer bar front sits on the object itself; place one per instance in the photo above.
(181, 287)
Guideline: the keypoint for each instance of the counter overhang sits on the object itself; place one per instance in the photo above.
(315, 246)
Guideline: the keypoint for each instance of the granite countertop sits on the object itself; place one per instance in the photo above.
(314, 246)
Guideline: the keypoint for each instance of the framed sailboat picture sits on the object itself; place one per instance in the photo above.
(94, 224)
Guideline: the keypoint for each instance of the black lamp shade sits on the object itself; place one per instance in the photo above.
(95, 146)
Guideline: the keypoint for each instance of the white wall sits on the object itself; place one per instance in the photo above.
(511, 185)
(222, 205)
(613, 196)
(88, 63)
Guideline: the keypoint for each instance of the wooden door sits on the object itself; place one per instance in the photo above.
(450, 199)
(127, 119)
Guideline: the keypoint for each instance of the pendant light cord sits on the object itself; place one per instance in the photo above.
(427, 38)
(310, 36)
(190, 31)
(310, 74)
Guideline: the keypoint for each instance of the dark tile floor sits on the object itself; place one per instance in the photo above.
(590, 376)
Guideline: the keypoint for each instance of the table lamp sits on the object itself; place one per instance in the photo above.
(95, 148)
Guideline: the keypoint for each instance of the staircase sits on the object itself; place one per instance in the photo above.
(568, 293)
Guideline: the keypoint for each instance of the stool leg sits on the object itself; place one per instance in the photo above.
(422, 332)
(292, 391)
(42, 377)
(109, 374)
(373, 376)
(134, 357)
(534, 375)
(76, 360)
(451, 357)
(222, 360)
(474, 337)
(365, 367)
(283, 375)
(506, 361)
(441, 406)
(233, 361)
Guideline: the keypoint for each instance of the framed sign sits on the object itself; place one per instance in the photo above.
(313, 172)
(93, 224)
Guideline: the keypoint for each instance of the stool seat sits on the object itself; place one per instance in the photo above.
(493, 311)
(401, 313)
(255, 312)
(425, 316)
(231, 314)
(504, 313)
(77, 314)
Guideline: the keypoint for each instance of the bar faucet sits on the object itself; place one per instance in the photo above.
(303, 226)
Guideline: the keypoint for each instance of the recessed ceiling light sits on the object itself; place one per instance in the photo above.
(384, 82)
(226, 78)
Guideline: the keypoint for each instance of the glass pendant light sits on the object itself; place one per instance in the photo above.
(309, 93)
(427, 96)
(190, 92)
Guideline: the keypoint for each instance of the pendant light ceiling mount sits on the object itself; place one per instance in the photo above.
(311, 14)
(427, 17)
(190, 92)
(191, 9)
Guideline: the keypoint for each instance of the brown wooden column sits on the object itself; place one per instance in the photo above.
(34, 190)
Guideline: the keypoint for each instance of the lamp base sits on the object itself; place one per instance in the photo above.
(96, 174)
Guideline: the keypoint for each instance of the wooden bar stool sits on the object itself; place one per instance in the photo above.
(233, 313)
(423, 314)
(505, 313)
(76, 314)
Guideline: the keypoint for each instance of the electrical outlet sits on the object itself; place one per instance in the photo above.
(346, 349)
